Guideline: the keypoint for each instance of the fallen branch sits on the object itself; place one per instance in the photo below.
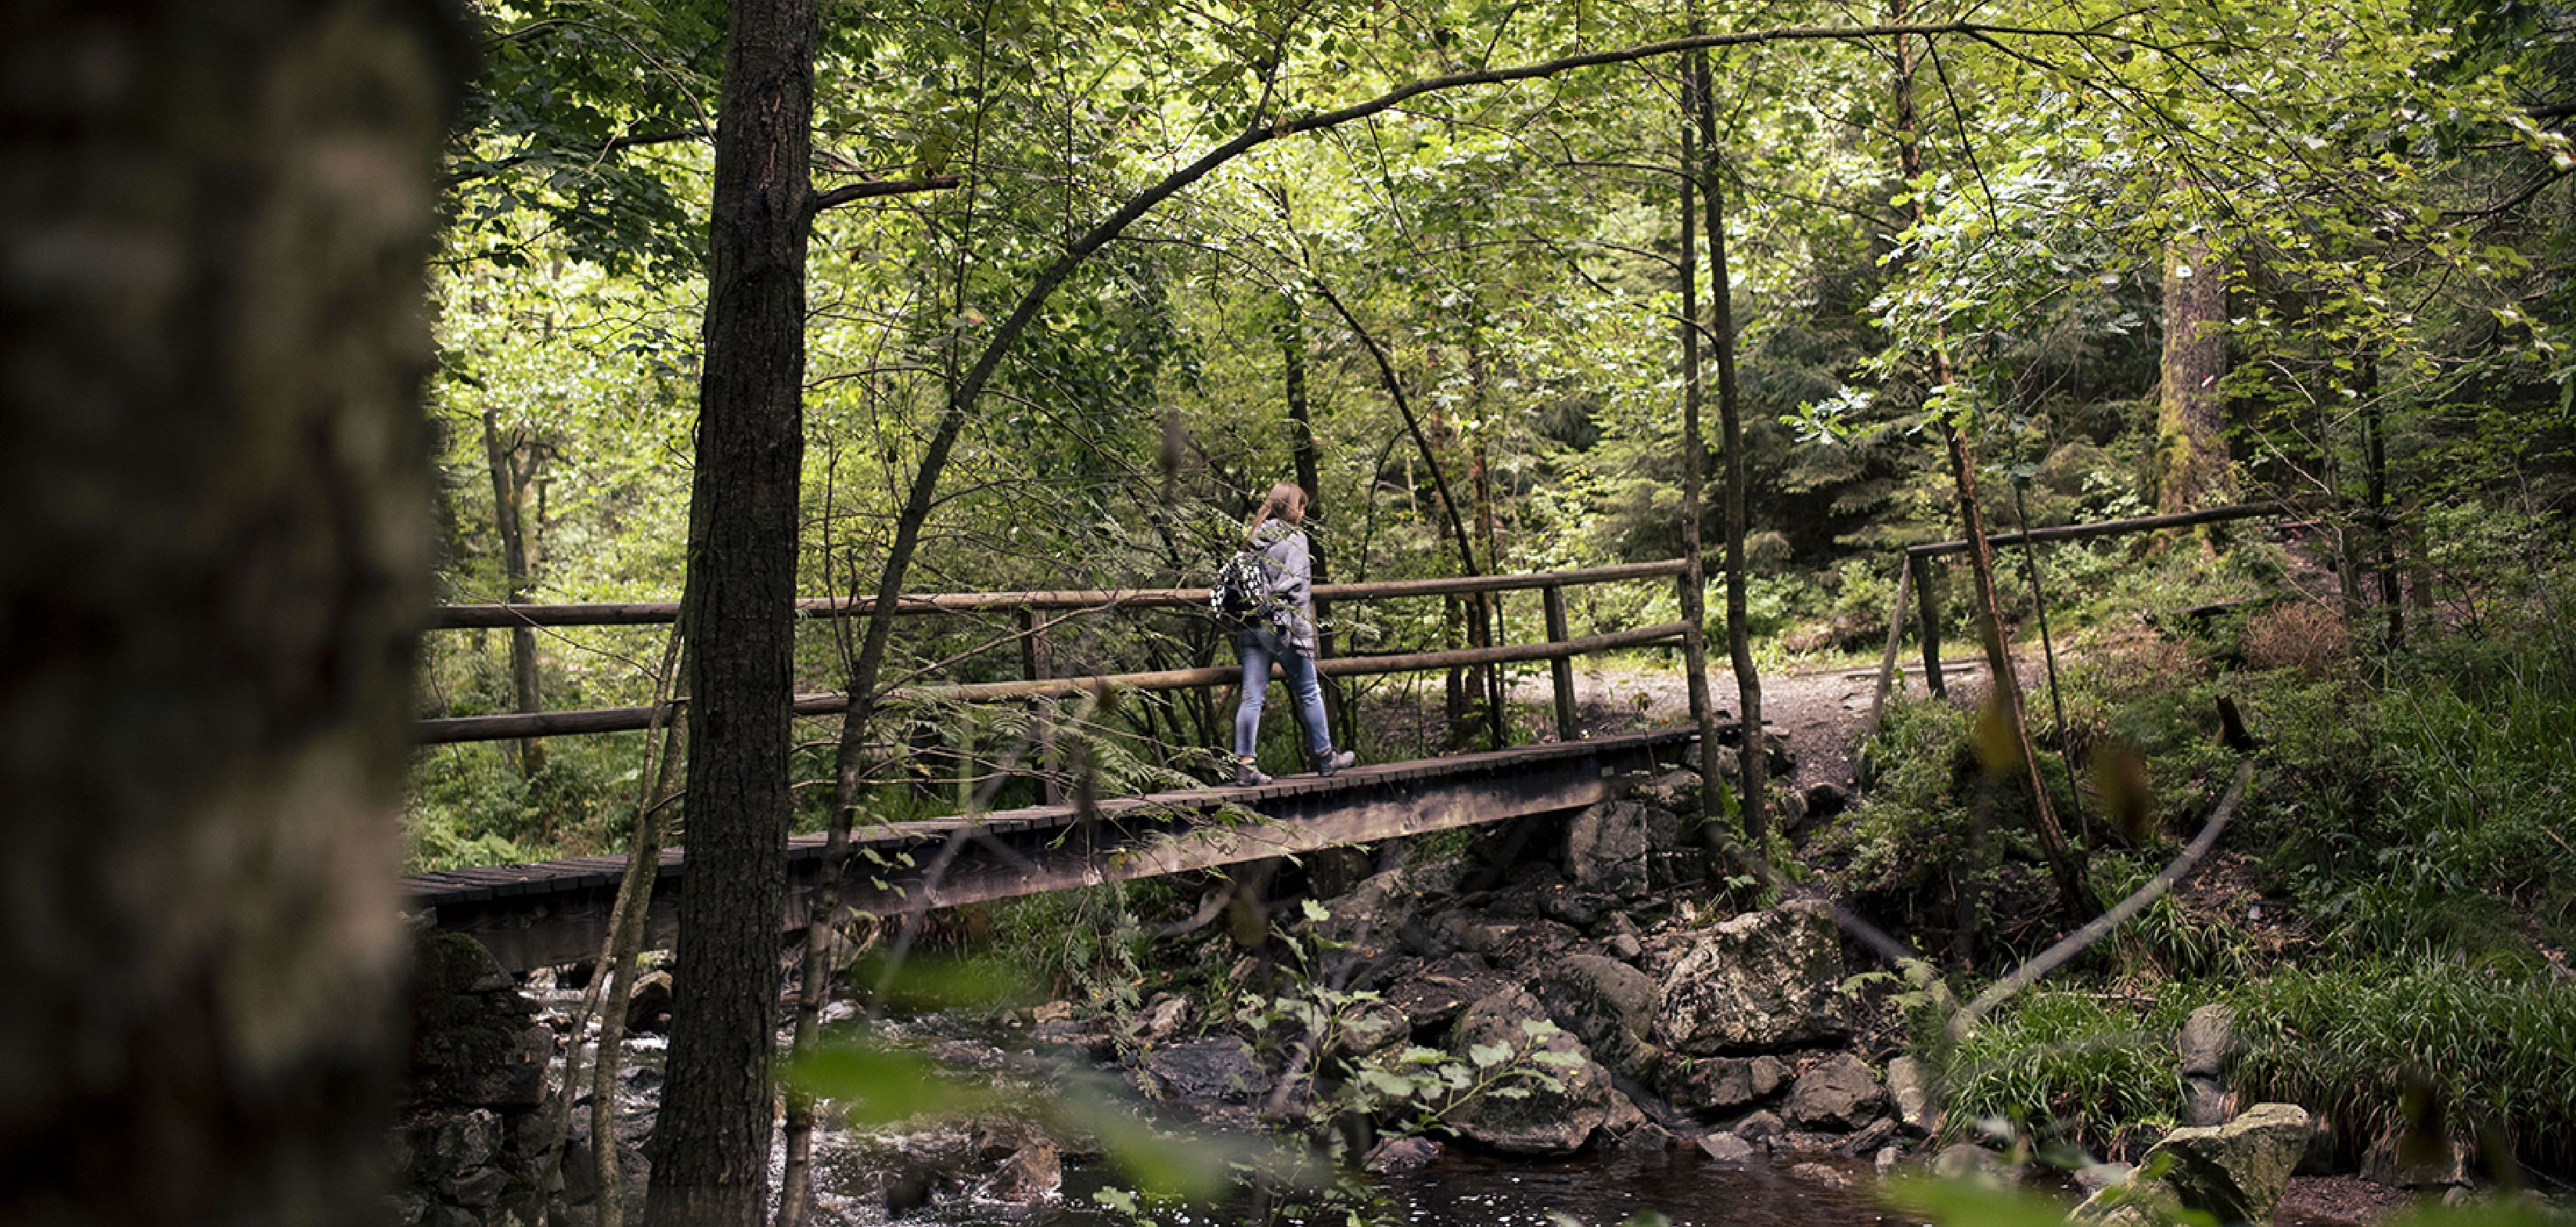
(2075, 943)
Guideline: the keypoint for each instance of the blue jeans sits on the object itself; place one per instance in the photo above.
(1258, 648)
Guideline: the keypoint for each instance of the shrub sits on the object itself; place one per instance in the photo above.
(2300, 636)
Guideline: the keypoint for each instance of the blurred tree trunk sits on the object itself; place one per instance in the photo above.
(213, 223)
(710, 1147)
(2191, 435)
(509, 498)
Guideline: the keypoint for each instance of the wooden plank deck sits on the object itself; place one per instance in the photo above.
(556, 912)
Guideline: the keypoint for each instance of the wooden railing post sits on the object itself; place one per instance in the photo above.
(1561, 668)
(1895, 637)
(1928, 600)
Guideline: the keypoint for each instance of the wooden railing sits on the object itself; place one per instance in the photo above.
(1915, 576)
(1559, 649)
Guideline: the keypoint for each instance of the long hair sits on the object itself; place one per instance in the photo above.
(1286, 501)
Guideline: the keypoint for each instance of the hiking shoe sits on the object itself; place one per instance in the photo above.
(1335, 761)
(1248, 776)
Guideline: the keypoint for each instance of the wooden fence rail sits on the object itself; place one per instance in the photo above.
(1037, 682)
(1914, 574)
(647, 613)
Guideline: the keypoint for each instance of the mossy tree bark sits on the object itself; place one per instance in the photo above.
(710, 1147)
(509, 500)
(2191, 417)
(213, 226)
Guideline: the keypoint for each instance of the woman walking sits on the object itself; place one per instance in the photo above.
(1288, 639)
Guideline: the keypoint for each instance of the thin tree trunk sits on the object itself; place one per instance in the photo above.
(711, 1144)
(1301, 450)
(509, 495)
(2191, 452)
(2006, 683)
(213, 469)
(1412, 426)
(1694, 581)
(626, 942)
(2383, 535)
(1754, 766)
(634, 895)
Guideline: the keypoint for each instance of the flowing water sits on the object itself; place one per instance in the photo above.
(1475, 1191)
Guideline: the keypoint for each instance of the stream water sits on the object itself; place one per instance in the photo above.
(1477, 1191)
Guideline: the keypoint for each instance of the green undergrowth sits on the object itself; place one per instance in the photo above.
(2494, 1040)
(2383, 913)
(2071, 1067)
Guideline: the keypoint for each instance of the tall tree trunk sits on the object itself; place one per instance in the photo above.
(711, 1144)
(1754, 767)
(1486, 680)
(2191, 434)
(2374, 451)
(1301, 452)
(2006, 685)
(509, 496)
(1694, 581)
(213, 467)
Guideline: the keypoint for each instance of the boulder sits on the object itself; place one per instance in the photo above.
(1608, 1005)
(1964, 1160)
(1826, 1174)
(2206, 1101)
(1073, 1039)
(2233, 1173)
(1715, 1085)
(1726, 1148)
(1759, 1127)
(1370, 1025)
(1163, 1019)
(1033, 1173)
(1761, 980)
(1909, 1087)
(1431, 993)
(1647, 1139)
(1825, 801)
(1581, 909)
(1868, 1138)
(1372, 914)
(1674, 792)
(648, 1008)
(515, 1077)
(1401, 1155)
(1220, 1069)
(2207, 1042)
(2405, 1161)
(1836, 1095)
(1546, 1119)
(1523, 946)
(1606, 849)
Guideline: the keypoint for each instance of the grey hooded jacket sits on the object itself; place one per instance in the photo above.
(1285, 546)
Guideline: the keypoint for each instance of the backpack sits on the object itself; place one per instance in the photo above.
(1243, 596)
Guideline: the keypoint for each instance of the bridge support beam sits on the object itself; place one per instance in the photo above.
(553, 913)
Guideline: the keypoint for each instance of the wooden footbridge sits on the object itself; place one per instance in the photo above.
(557, 912)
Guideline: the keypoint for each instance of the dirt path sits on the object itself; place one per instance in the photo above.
(1819, 712)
